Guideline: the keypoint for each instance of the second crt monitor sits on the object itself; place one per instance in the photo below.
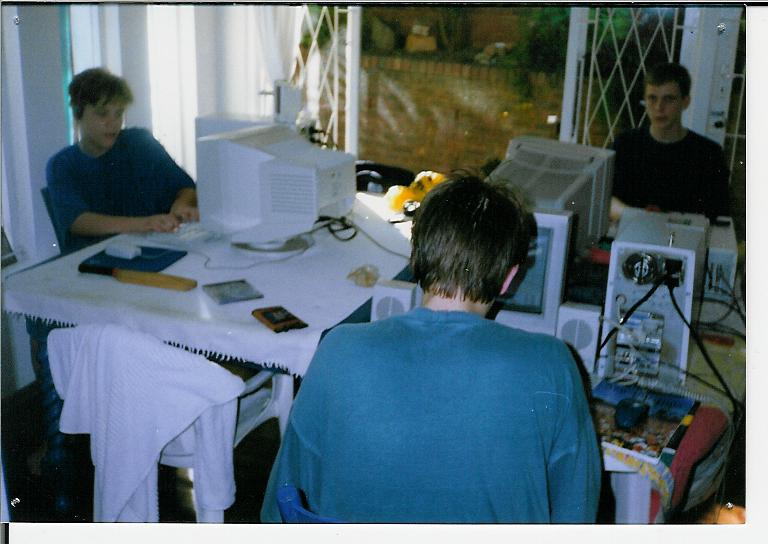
(269, 183)
(563, 176)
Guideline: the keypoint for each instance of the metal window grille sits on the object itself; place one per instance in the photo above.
(319, 68)
(622, 44)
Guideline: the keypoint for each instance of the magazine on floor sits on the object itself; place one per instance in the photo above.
(659, 428)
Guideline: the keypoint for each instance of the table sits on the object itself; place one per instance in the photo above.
(312, 285)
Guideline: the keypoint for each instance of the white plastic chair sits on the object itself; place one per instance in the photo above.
(190, 413)
(259, 403)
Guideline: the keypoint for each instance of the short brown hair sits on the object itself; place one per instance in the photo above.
(97, 86)
(669, 72)
(466, 236)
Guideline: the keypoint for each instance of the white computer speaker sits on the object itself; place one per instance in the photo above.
(579, 325)
(393, 297)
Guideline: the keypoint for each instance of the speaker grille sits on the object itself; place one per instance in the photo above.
(389, 306)
(578, 333)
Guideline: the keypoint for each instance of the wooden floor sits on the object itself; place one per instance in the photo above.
(32, 497)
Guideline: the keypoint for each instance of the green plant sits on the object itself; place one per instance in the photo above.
(541, 46)
(317, 14)
(453, 28)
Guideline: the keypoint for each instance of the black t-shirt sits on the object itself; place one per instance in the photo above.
(685, 176)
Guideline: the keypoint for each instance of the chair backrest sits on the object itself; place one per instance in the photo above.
(292, 509)
(52, 216)
(136, 397)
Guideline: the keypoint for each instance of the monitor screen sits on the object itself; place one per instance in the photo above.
(526, 293)
(533, 299)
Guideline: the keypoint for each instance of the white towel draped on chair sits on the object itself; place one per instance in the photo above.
(134, 395)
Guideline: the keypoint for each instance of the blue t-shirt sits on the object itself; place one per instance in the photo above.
(135, 178)
(440, 417)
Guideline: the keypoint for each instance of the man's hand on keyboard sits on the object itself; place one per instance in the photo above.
(160, 223)
(184, 207)
(185, 212)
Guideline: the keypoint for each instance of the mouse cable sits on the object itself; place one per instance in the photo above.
(380, 245)
(341, 224)
(208, 259)
(336, 225)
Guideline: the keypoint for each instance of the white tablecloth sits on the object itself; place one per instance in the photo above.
(312, 285)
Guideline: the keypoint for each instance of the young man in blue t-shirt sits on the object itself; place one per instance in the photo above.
(113, 180)
(440, 415)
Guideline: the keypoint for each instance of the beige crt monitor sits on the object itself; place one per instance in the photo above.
(269, 183)
(563, 176)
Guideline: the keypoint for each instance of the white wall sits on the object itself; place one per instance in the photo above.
(34, 121)
(134, 55)
(34, 127)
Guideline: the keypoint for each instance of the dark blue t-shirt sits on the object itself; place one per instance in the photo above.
(685, 176)
(135, 178)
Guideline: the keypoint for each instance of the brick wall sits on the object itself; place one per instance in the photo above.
(425, 115)
(484, 24)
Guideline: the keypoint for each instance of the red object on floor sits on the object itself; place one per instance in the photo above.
(599, 255)
(708, 425)
(719, 339)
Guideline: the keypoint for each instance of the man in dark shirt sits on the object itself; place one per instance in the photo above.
(665, 165)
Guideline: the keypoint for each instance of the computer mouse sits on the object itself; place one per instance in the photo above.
(630, 413)
(122, 249)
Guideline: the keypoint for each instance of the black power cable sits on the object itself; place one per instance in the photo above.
(632, 310)
(694, 376)
(722, 329)
(337, 225)
(731, 292)
(738, 407)
(728, 305)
